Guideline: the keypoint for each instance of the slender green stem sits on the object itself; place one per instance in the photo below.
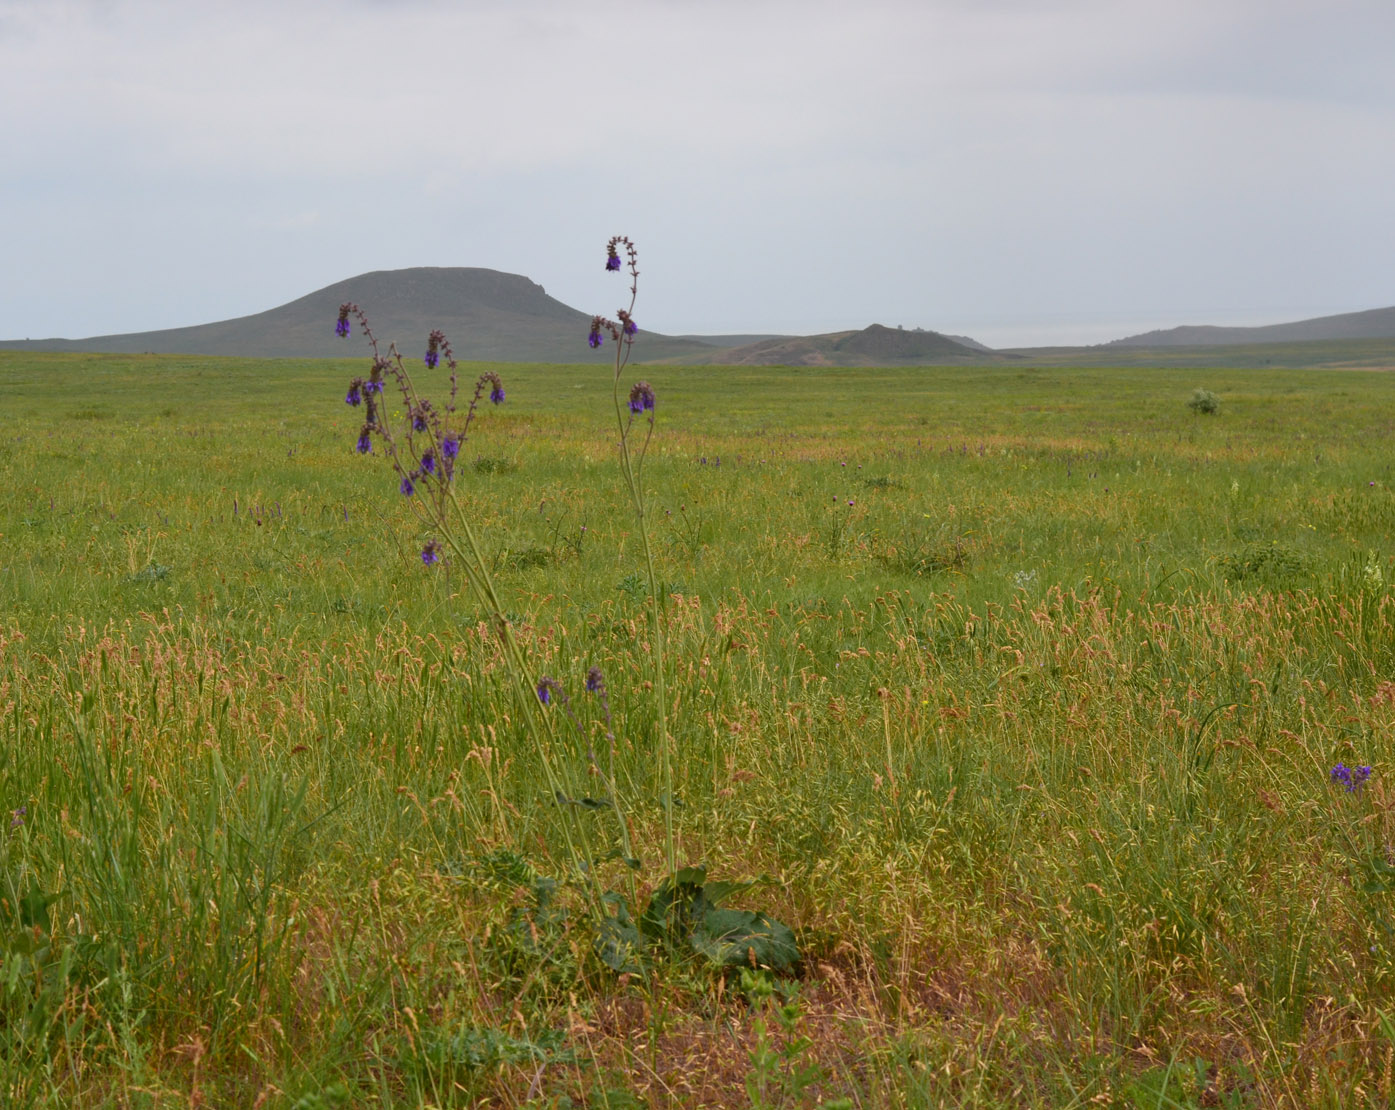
(525, 692)
(433, 509)
(656, 627)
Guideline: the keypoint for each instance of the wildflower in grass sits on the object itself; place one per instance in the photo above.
(641, 397)
(433, 349)
(365, 442)
(354, 396)
(450, 446)
(428, 463)
(595, 684)
(341, 326)
(1352, 779)
(497, 394)
(408, 487)
(431, 553)
(17, 816)
(548, 689)
(633, 450)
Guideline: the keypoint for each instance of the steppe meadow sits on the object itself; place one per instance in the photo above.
(1017, 737)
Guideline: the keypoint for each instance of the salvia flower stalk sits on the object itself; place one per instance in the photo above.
(639, 404)
(423, 449)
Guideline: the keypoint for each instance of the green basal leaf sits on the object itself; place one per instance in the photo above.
(738, 938)
(676, 905)
(619, 943)
(717, 893)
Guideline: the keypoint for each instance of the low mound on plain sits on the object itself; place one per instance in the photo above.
(876, 345)
(1376, 323)
(487, 315)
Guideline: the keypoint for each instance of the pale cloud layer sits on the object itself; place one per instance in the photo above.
(1019, 171)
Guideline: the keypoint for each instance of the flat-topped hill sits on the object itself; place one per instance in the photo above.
(487, 315)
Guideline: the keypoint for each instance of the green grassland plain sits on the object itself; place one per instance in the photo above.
(1018, 686)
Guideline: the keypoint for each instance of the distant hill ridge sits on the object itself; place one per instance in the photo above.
(1376, 323)
(876, 345)
(492, 316)
(488, 315)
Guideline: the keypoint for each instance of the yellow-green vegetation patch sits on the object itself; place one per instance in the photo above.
(1052, 715)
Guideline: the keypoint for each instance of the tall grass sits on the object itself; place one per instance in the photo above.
(1036, 758)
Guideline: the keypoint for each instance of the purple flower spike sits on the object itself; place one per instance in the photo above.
(432, 360)
(353, 397)
(594, 339)
(450, 447)
(545, 692)
(365, 442)
(1342, 775)
(341, 329)
(612, 263)
(641, 397)
(431, 553)
(497, 394)
(595, 681)
(630, 326)
(407, 487)
(428, 463)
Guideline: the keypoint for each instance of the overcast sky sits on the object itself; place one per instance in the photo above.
(1021, 171)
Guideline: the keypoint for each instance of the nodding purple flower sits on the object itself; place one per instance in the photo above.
(548, 689)
(450, 448)
(630, 327)
(434, 342)
(497, 394)
(595, 681)
(594, 339)
(341, 326)
(407, 487)
(373, 385)
(428, 463)
(353, 397)
(612, 261)
(418, 421)
(365, 442)
(17, 816)
(1353, 780)
(641, 397)
(431, 553)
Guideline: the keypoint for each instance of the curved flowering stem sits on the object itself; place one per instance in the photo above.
(640, 402)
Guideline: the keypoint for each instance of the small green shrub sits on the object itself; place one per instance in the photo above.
(1204, 402)
(1270, 563)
